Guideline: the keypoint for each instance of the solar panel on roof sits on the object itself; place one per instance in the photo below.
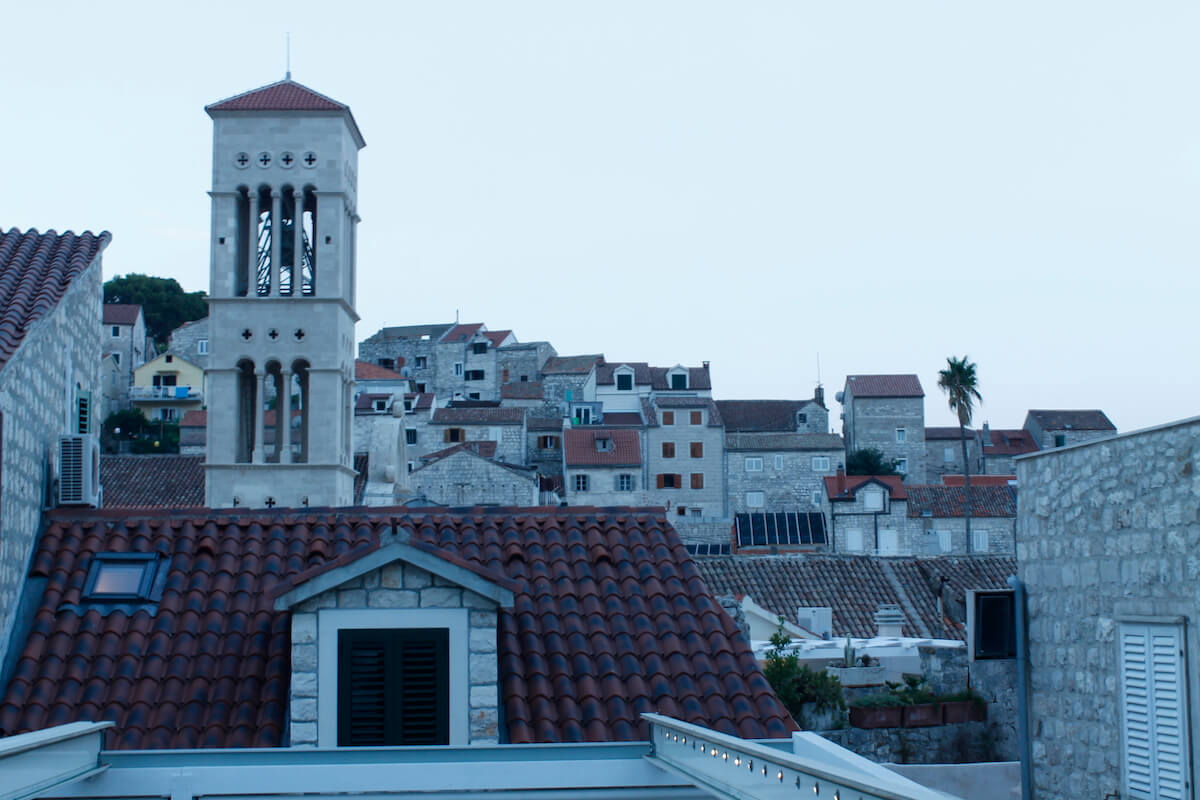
(764, 529)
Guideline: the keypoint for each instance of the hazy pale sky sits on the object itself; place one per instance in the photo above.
(762, 185)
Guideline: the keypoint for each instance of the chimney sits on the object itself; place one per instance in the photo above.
(705, 363)
(819, 395)
(841, 481)
(889, 621)
(987, 435)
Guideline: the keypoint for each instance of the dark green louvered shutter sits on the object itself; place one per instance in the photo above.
(393, 687)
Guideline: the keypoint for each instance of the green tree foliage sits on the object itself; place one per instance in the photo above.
(869, 461)
(163, 301)
(796, 685)
(959, 382)
(131, 422)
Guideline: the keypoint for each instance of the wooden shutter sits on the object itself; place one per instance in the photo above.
(1154, 712)
(696, 418)
(697, 449)
(678, 482)
(668, 418)
(697, 480)
(83, 408)
(392, 687)
(662, 481)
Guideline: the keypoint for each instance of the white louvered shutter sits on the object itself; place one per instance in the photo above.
(1154, 718)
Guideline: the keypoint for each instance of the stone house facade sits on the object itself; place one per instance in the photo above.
(396, 588)
(943, 452)
(544, 443)
(567, 379)
(521, 362)
(887, 413)
(49, 373)
(190, 340)
(167, 387)
(685, 458)
(780, 472)
(604, 466)
(1062, 428)
(937, 520)
(1001, 446)
(123, 336)
(868, 514)
(463, 477)
(504, 426)
(1107, 536)
(408, 349)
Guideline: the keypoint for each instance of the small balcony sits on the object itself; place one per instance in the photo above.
(165, 394)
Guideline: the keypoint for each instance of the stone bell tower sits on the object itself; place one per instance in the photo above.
(281, 299)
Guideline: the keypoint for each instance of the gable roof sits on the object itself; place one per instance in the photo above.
(579, 447)
(285, 95)
(758, 416)
(884, 386)
(543, 422)
(571, 365)
(497, 337)
(421, 400)
(951, 501)
(855, 586)
(654, 377)
(946, 432)
(844, 487)
(366, 371)
(1077, 420)
(478, 416)
(486, 449)
(121, 313)
(155, 481)
(610, 618)
(36, 269)
(1008, 441)
(951, 479)
(461, 333)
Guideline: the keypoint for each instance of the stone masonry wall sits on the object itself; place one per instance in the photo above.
(464, 479)
(787, 487)
(391, 587)
(37, 397)
(711, 498)
(874, 422)
(1105, 530)
(185, 340)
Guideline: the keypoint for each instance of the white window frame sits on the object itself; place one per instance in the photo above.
(816, 497)
(979, 540)
(1152, 663)
(617, 381)
(854, 540)
(889, 536)
(902, 466)
(901, 435)
(945, 540)
(778, 462)
(820, 463)
(754, 464)
(948, 455)
(116, 331)
(202, 347)
(756, 499)
(625, 482)
(873, 499)
(331, 620)
(458, 369)
(578, 479)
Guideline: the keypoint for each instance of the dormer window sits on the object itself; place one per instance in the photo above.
(381, 405)
(392, 687)
(679, 380)
(873, 500)
(801, 418)
(479, 348)
(604, 445)
(624, 382)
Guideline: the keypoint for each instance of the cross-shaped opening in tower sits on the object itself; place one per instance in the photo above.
(310, 158)
(270, 502)
(287, 159)
(299, 334)
(243, 159)
(264, 158)
(247, 334)
(274, 334)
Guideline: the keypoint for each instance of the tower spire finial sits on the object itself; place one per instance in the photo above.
(287, 74)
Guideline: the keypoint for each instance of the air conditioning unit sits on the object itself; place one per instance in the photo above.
(79, 470)
(818, 619)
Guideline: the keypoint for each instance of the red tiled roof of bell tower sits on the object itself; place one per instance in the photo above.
(284, 95)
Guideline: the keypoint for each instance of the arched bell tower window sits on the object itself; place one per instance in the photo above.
(300, 381)
(276, 231)
(248, 406)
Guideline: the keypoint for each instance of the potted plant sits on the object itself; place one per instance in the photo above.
(877, 711)
(855, 670)
(814, 699)
(920, 705)
(965, 706)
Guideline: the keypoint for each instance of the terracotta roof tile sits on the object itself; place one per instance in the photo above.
(366, 371)
(885, 386)
(166, 481)
(284, 95)
(579, 446)
(35, 271)
(978, 480)
(838, 487)
(946, 432)
(121, 313)
(627, 626)
(1005, 442)
(461, 333)
(478, 416)
(421, 400)
(855, 586)
(496, 337)
(571, 365)
(654, 377)
(759, 416)
(951, 501)
(1074, 420)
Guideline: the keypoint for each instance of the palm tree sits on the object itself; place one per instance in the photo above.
(961, 386)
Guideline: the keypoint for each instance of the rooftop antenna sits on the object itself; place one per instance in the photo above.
(456, 316)
(818, 369)
(287, 75)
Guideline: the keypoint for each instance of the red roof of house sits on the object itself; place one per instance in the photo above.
(579, 446)
(36, 269)
(366, 371)
(978, 480)
(421, 400)
(156, 481)
(844, 487)
(1009, 441)
(461, 333)
(654, 377)
(947, 432)
(497, 337)
(284, 95)
(610, 619)
(951, 501)
(521, 390)
(121, 313)
(885, 386)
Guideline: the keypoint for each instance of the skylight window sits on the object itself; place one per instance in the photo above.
(121, 576)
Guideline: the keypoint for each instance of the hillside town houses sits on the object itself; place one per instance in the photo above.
(443, 536)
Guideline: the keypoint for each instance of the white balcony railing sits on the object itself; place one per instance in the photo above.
(728, 767)
(165, 393)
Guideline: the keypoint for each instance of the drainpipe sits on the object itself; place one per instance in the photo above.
(1022, 688)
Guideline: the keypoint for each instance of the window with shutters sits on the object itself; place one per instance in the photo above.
(625, 482)
(410, 436)
(697, 480)
(581, 483)
(547, 442)
(83, 412)
(754, 464)
(454, 435)
(820, 463)
(697, 418)
(474, 375)
(1154, 711)
(756, 499)
(668, 418)
(668, 449)
(696, 449)
(667, 480)
(392, 687)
